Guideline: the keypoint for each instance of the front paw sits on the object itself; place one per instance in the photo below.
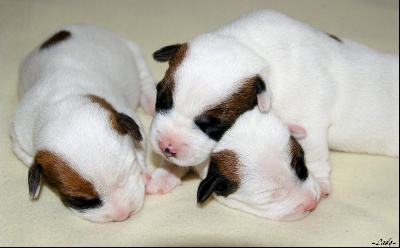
(146, 176)
(161, 182)
(325, 187)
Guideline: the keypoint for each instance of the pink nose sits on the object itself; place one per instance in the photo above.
(122, 215)
(311, 205)
(167, 148)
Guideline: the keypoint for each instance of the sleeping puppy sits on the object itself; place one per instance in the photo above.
(344, 94)
(261, 171)
(76, 126)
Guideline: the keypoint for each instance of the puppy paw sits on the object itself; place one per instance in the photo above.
(325, 188)
(161, 182)
(146, 176)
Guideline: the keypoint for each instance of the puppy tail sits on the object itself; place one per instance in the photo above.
(148, 86)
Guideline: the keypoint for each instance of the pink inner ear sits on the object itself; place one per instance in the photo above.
(264, 103)
(297, 131)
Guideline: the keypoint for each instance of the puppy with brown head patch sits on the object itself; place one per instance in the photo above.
(261, 171)
(343, 93)
(76, 126)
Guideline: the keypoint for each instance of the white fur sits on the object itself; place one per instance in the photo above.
(268, 187)
(56, 115)
(344, 94)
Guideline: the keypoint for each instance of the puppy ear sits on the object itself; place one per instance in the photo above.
(297, 131)
(214, 182)
(119, 121)
(129, 126)
(166, 53)
(207, 187)
(263, 95)
(34, 179)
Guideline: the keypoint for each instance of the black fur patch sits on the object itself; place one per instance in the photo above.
(164, 100)
(259, 85)
(215, 182)
(81, 203)
(215, 121)
(212, 126)
(55, 39)
(174, 54)
(223, 176)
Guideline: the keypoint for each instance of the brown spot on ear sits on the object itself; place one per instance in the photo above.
(227, 163)
(62, 178)
(298, 160)
(113, 113)
(56, 38)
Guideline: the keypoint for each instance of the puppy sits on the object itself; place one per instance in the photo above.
(344, 94)
(261, 171)
(76, 126)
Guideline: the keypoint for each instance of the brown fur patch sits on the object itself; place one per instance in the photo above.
(227, 164)
(113, 113)
(239, 102)
(120, 122)
(168, 83)
(56, 38)
(165, 88)
(295, 148)
(176, 61)
(61, 177)
(298, 159)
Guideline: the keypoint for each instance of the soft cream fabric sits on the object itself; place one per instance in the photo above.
(363, 207)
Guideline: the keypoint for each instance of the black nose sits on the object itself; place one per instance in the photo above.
(168, 153)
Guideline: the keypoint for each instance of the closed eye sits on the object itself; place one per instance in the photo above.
(214, 122)
(212, 126)
(81, 203)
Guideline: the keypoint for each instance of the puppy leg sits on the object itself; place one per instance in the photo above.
(148, 90)
(316, 150)
(140, 148)
(165, 178)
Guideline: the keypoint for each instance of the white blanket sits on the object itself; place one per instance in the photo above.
(363, 208)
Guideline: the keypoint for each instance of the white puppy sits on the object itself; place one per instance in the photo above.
(261, 171)
(76, 125)
(344, 94)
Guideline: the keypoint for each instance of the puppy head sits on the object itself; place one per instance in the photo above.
(87, 155)
(259, 168)
(210, 82)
